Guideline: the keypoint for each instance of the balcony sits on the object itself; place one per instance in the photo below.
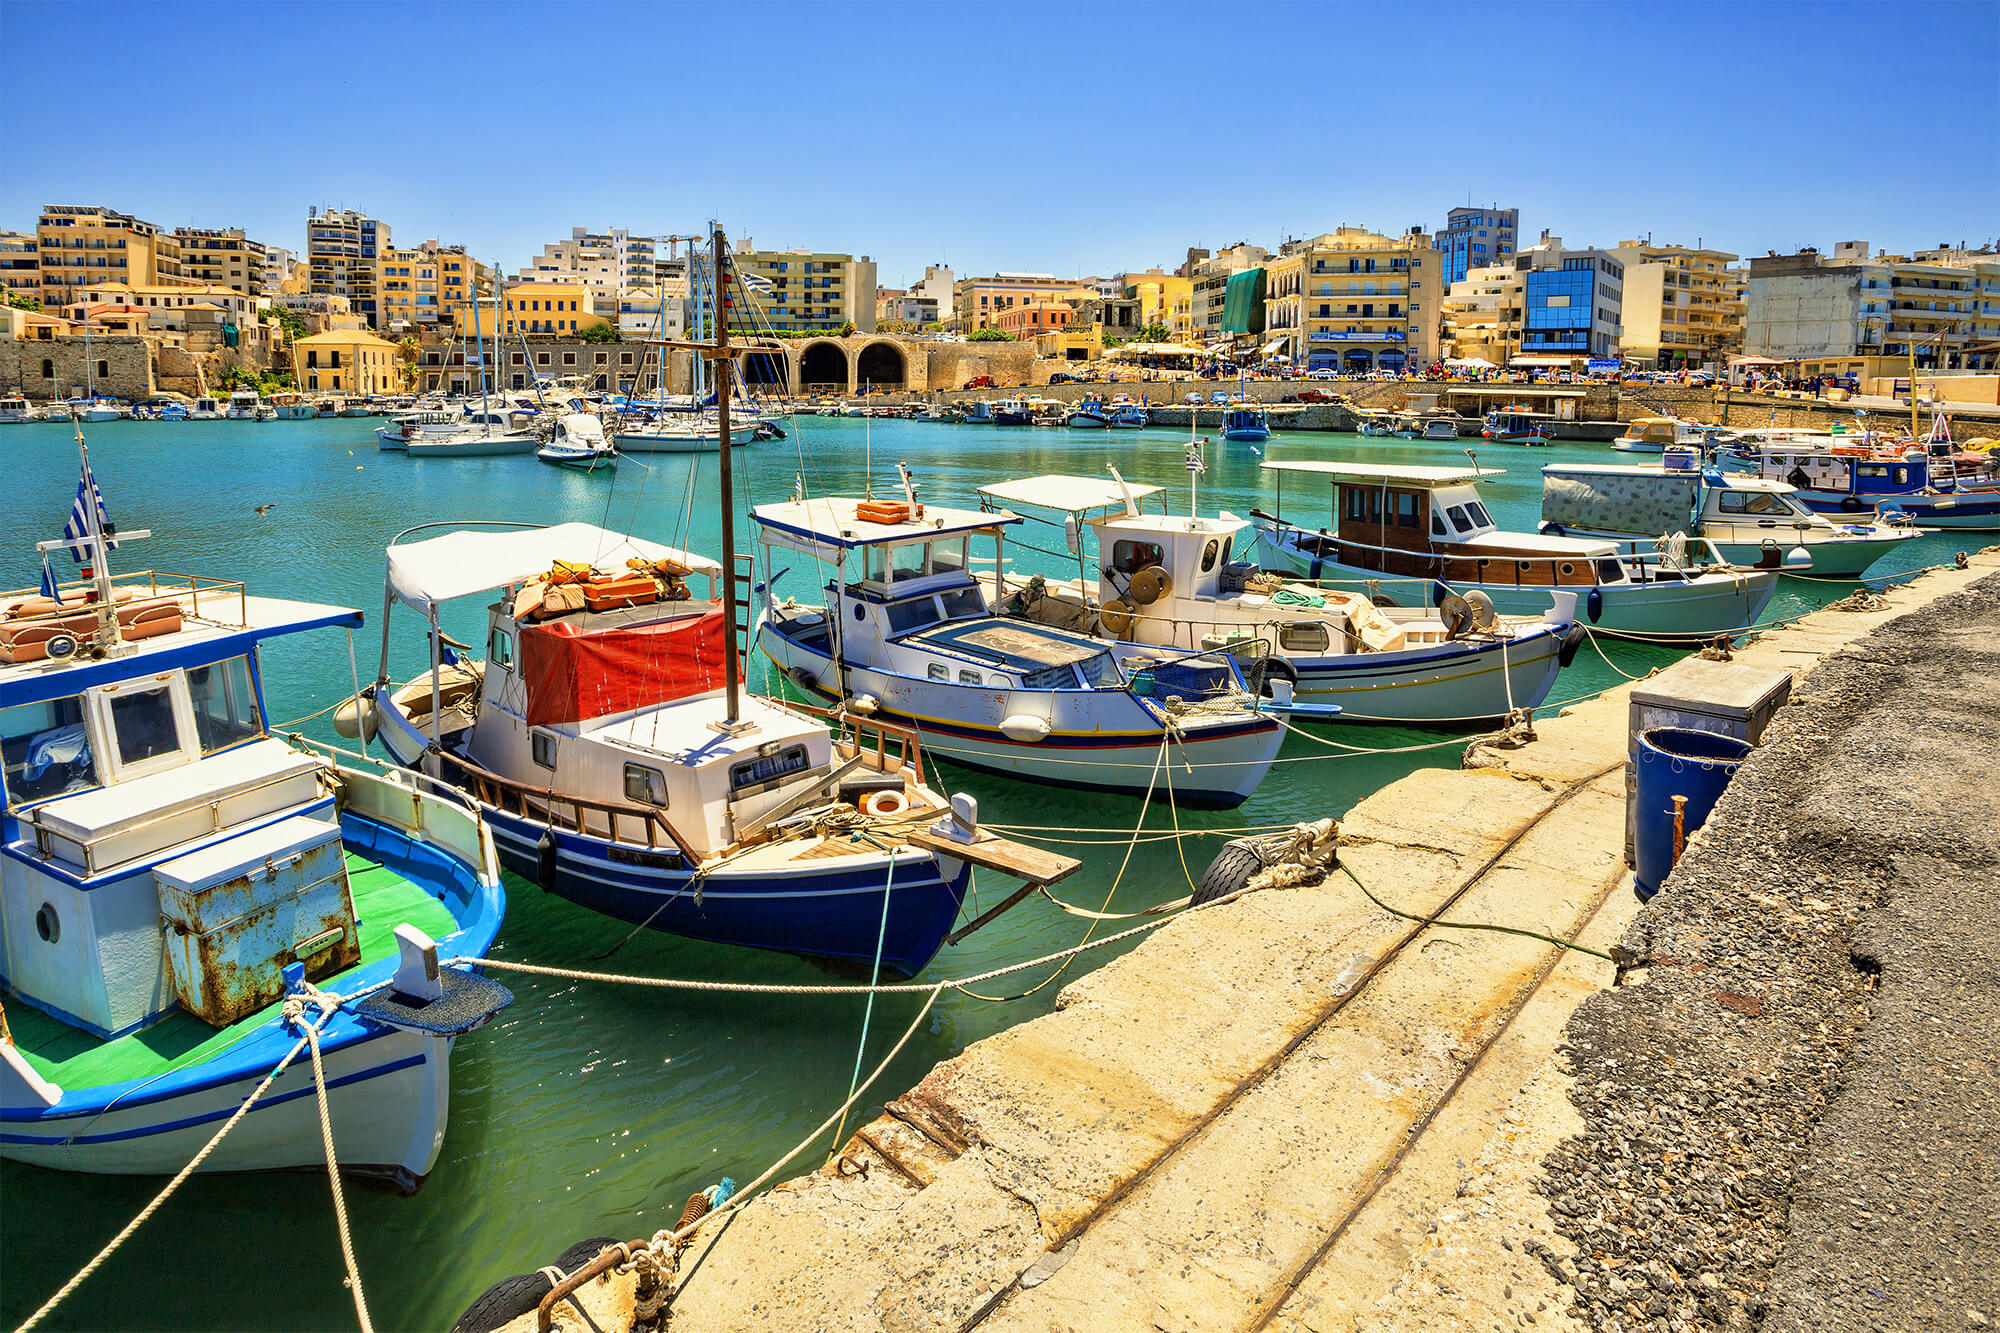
(1356, 336)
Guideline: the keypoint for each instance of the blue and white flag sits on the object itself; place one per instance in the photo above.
(78, 528)
(1195, 462)
(49, 588)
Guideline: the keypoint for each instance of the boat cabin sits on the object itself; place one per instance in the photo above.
(161, 849)
(1410, 521)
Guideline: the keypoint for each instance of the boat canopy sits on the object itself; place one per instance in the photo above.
(1069, 494)
(827, 528)
(574, 674)
(458, 564)
(1397, 474)
(1619, 499)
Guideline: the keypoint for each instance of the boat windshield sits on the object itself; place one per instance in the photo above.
(45, 750)
(1764, 503)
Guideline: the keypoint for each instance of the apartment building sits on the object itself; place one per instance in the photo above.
(220, 257)
(1482, 314)
(1571, 303)
(1679, 306)
(81, 244)
(1165, 299)
(1024, 322)
(610, 263)
(20, 265)
(1354, 300)
(432, 286)
(559, 308)
(976, 303)
(1848, 312)
(277, 270)
(346, 361)
(1477, 238)
(1210, 276)
(344, 253)
(810, 290)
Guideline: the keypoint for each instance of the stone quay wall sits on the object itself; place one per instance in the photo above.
(119, 367)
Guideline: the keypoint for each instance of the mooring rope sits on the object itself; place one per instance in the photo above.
(296, 1008)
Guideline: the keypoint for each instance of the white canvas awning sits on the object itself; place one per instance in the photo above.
(1545, 360)
(1067, 493)
(1273, 347)
(459, 564)
(1406, 474)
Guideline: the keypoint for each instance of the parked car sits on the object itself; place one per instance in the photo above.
(1322, 375)
(979, 382)
(1313, 396)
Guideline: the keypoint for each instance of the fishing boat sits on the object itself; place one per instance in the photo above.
(292, 406)
(1090, 414)
(1128, 415)
(205, 408)
(905, 635)
(327, 408)
(1652, 435)
(1440, 427)
(17, 412)
(1518, 425)
(1172, 582)
(100, 409)
(1420, 532)
(1013, 412)
(243, 405)
(1376, 425)
(1933, 484)
(1754, 522)
(608, 742)
(579, 442)
(175, 876)
(1246, 424)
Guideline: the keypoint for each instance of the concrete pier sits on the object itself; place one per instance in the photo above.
(1295, 1111)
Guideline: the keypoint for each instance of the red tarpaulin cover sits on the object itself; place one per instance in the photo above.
(575, 674)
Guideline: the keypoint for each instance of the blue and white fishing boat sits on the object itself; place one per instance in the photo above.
(905, 634)
(607, 741)
(1090, 414)
(979, 412)
(1013, 412)
(1126, 414)
(1924, 484)
(172, 876)
(579, 442)
(1173, 582)
(1247, 424)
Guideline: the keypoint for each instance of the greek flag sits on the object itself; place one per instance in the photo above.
(49, 588)
(1194, 459)
(78, 528)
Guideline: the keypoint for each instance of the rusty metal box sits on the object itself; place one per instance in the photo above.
(237, 912)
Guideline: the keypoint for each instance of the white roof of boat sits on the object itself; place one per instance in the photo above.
(1535, 541)
(833, 521)
(1736, 481)
(458, 564)
(1409, 474)
(1060, 491)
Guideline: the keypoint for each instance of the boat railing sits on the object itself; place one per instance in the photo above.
(157, 585)
(518, 798)
(1525, 568)
(908, 746)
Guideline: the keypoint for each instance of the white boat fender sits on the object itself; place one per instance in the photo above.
(1798, 558)
(356, 717)
(884, 804)
(863, 704)
(1024, 727)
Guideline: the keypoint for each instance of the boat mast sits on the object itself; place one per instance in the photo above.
(731, 685)
(479, 349)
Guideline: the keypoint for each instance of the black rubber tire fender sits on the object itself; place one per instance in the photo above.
(581, 1253)
(504, 1301)
(1259, 672)
(1384, 599)
(1231, 869)
(1572, 640)
(1851, 504)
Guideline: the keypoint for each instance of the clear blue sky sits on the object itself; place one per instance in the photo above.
(1069, 137)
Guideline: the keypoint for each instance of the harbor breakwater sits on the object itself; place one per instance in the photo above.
(1340, 1104)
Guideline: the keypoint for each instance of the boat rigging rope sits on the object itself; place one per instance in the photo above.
(180, 1178)
(295, 1009)
(868, 1011)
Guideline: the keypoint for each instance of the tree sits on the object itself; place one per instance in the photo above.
(24, 302)
(600, 333)
(847, 330)
(1153, 333)
(989, 336)
(408, 349)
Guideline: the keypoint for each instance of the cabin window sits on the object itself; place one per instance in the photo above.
(1131, 557)
(542, 749)
(909, 562)
(1208, 554)
(1438, 528)
(646, 786)
(939, 671)
(912, 614)
(1478, 513)
(500, 649)
(967, 676)
(225, 704)
(1459, 518)
(962, 603)
(142, 724)
(1902, 476)
(1307, 637)
(1406, 509)
(45, 750)
(1751, 502)
(948, 557)
(766, 770)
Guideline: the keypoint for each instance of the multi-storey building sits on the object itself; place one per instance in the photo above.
(1482, 314)
(1210, 275)
(811, 291)
(1571, 303)
(1165, 299)
(346, 361)
(976, 303)
(1353, 300)
(277, 270)
(433, 286)
(655, 311)
(80, 244)
(1024, 322)
(344, 251)
(562, 308)
(1849, 313)
(220, 257)
(20, 266)
(610, 263)
(1477, 238)
(1679, 306)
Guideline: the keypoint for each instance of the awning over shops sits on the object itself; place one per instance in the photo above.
(1545, 360)
(1273, 347)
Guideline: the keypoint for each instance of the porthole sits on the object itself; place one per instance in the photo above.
(1568, 569)
(860, 611)
(46, 924)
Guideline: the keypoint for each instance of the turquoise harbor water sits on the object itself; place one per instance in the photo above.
(589, 1110)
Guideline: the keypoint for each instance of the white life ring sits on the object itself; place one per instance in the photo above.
(882, 804)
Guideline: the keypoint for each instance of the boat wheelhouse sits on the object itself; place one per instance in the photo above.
(1173, 582)
(17, 411)
(172, 874)
(1247, 424)
(1855, 480)
(1519, 425)
(1426, 529)
(904, 633)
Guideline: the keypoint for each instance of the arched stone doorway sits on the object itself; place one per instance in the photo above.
(823, 368)
(882, 366)
(764, 372)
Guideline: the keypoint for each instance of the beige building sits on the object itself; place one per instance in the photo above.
(344, 254)
(346, 361)
(20, 266)
(1354, 301)
(79, 245)
(563, 309)
(1680, 306)
(221, 257)
(1482, 314)
(431, 286)
(1211, 275)
(976, 303)
(808, 290)
(1849, 313)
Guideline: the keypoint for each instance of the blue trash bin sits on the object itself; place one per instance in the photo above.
(1674, 761)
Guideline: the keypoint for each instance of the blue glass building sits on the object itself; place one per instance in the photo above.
(1476, 237)
(1574, 309)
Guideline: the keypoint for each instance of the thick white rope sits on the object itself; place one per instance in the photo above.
(333, 1169)
(193, 1165)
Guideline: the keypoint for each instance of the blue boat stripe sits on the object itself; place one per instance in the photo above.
(263, 1104)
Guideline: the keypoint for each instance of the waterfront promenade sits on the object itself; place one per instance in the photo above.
(1301, 1111)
